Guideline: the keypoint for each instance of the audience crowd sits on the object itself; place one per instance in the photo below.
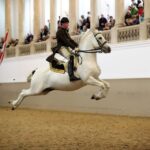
(133, 16)
(135, 13)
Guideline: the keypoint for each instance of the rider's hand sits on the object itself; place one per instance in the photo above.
(75, 51)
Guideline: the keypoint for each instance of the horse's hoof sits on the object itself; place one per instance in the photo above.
(93, 97)
(12, 108)
(97, 98)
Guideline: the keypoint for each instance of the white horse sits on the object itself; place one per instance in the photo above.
(44, 80)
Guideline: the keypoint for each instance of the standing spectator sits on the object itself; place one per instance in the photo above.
(59, 23)
(82, 22)
(141, 12)
(48, 25)
(102, 22)
(88, 20)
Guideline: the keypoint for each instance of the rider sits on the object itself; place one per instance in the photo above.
(64, 39)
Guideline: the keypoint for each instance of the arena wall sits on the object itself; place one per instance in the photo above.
(127, 60)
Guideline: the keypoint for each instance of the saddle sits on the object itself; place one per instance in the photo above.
(59, 63)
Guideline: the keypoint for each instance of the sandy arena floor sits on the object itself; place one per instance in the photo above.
(27, 129)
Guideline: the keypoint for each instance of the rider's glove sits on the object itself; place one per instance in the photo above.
(75, 51)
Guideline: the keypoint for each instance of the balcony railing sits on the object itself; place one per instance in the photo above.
(124, 34)
(130, 33)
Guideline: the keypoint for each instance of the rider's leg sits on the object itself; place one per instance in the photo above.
(71, 69)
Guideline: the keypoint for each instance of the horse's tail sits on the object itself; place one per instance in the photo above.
(30, 76)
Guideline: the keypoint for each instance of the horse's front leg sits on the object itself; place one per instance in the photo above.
(102, 87)
(107, 85)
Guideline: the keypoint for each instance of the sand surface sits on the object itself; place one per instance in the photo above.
(28, 129)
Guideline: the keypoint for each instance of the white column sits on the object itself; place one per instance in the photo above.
(42, 13)
(53, 18)
(119, 18)
(93, 11)
(21, 6)
(36, 19)
(143, 25)
(8, 18)
(146, 10)
(119, 12)
(73, 16)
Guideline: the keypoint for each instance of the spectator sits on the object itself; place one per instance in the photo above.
(111, 21)
(134, 10)
(48, 25)
(46, 31)
(1, 43)
(28, 38)
(12, 42)
(128, 18)
(88, 20)
(141, 12)
(102, 22)
(107, 26)
(59, 22)
(82, 22)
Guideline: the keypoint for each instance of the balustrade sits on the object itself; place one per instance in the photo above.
(148, 30)
(124, 34)
(129, 33)
(24, 49)
(11, 52)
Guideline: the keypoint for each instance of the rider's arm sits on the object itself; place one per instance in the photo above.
(66, 40)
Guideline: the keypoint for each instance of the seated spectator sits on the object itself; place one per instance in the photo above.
(134, 3)
(134, 10)
(12, 42)
(28, 38)
(135, 20)
(128, 18)
(107, 26)
(111, 21)
(1, 42)
(102, 22)
(46, 31)
(43, 34)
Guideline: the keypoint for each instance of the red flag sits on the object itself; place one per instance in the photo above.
(2, 51)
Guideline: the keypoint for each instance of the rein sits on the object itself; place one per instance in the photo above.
(95, 50)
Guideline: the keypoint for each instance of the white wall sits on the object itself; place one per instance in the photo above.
(128, 60)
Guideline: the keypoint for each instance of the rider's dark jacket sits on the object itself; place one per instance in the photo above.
(64, 39)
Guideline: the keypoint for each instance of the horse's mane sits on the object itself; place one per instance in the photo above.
(84, 35)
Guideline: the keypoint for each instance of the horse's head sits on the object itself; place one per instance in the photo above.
(94, 41)
(100, 42)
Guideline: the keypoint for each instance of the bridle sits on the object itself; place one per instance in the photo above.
(94, 50)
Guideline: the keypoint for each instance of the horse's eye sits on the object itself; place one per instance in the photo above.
(100, 38)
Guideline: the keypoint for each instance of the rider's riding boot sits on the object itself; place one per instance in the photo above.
(71, 69)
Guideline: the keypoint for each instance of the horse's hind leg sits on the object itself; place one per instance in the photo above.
(24, 93)
(28, 92)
